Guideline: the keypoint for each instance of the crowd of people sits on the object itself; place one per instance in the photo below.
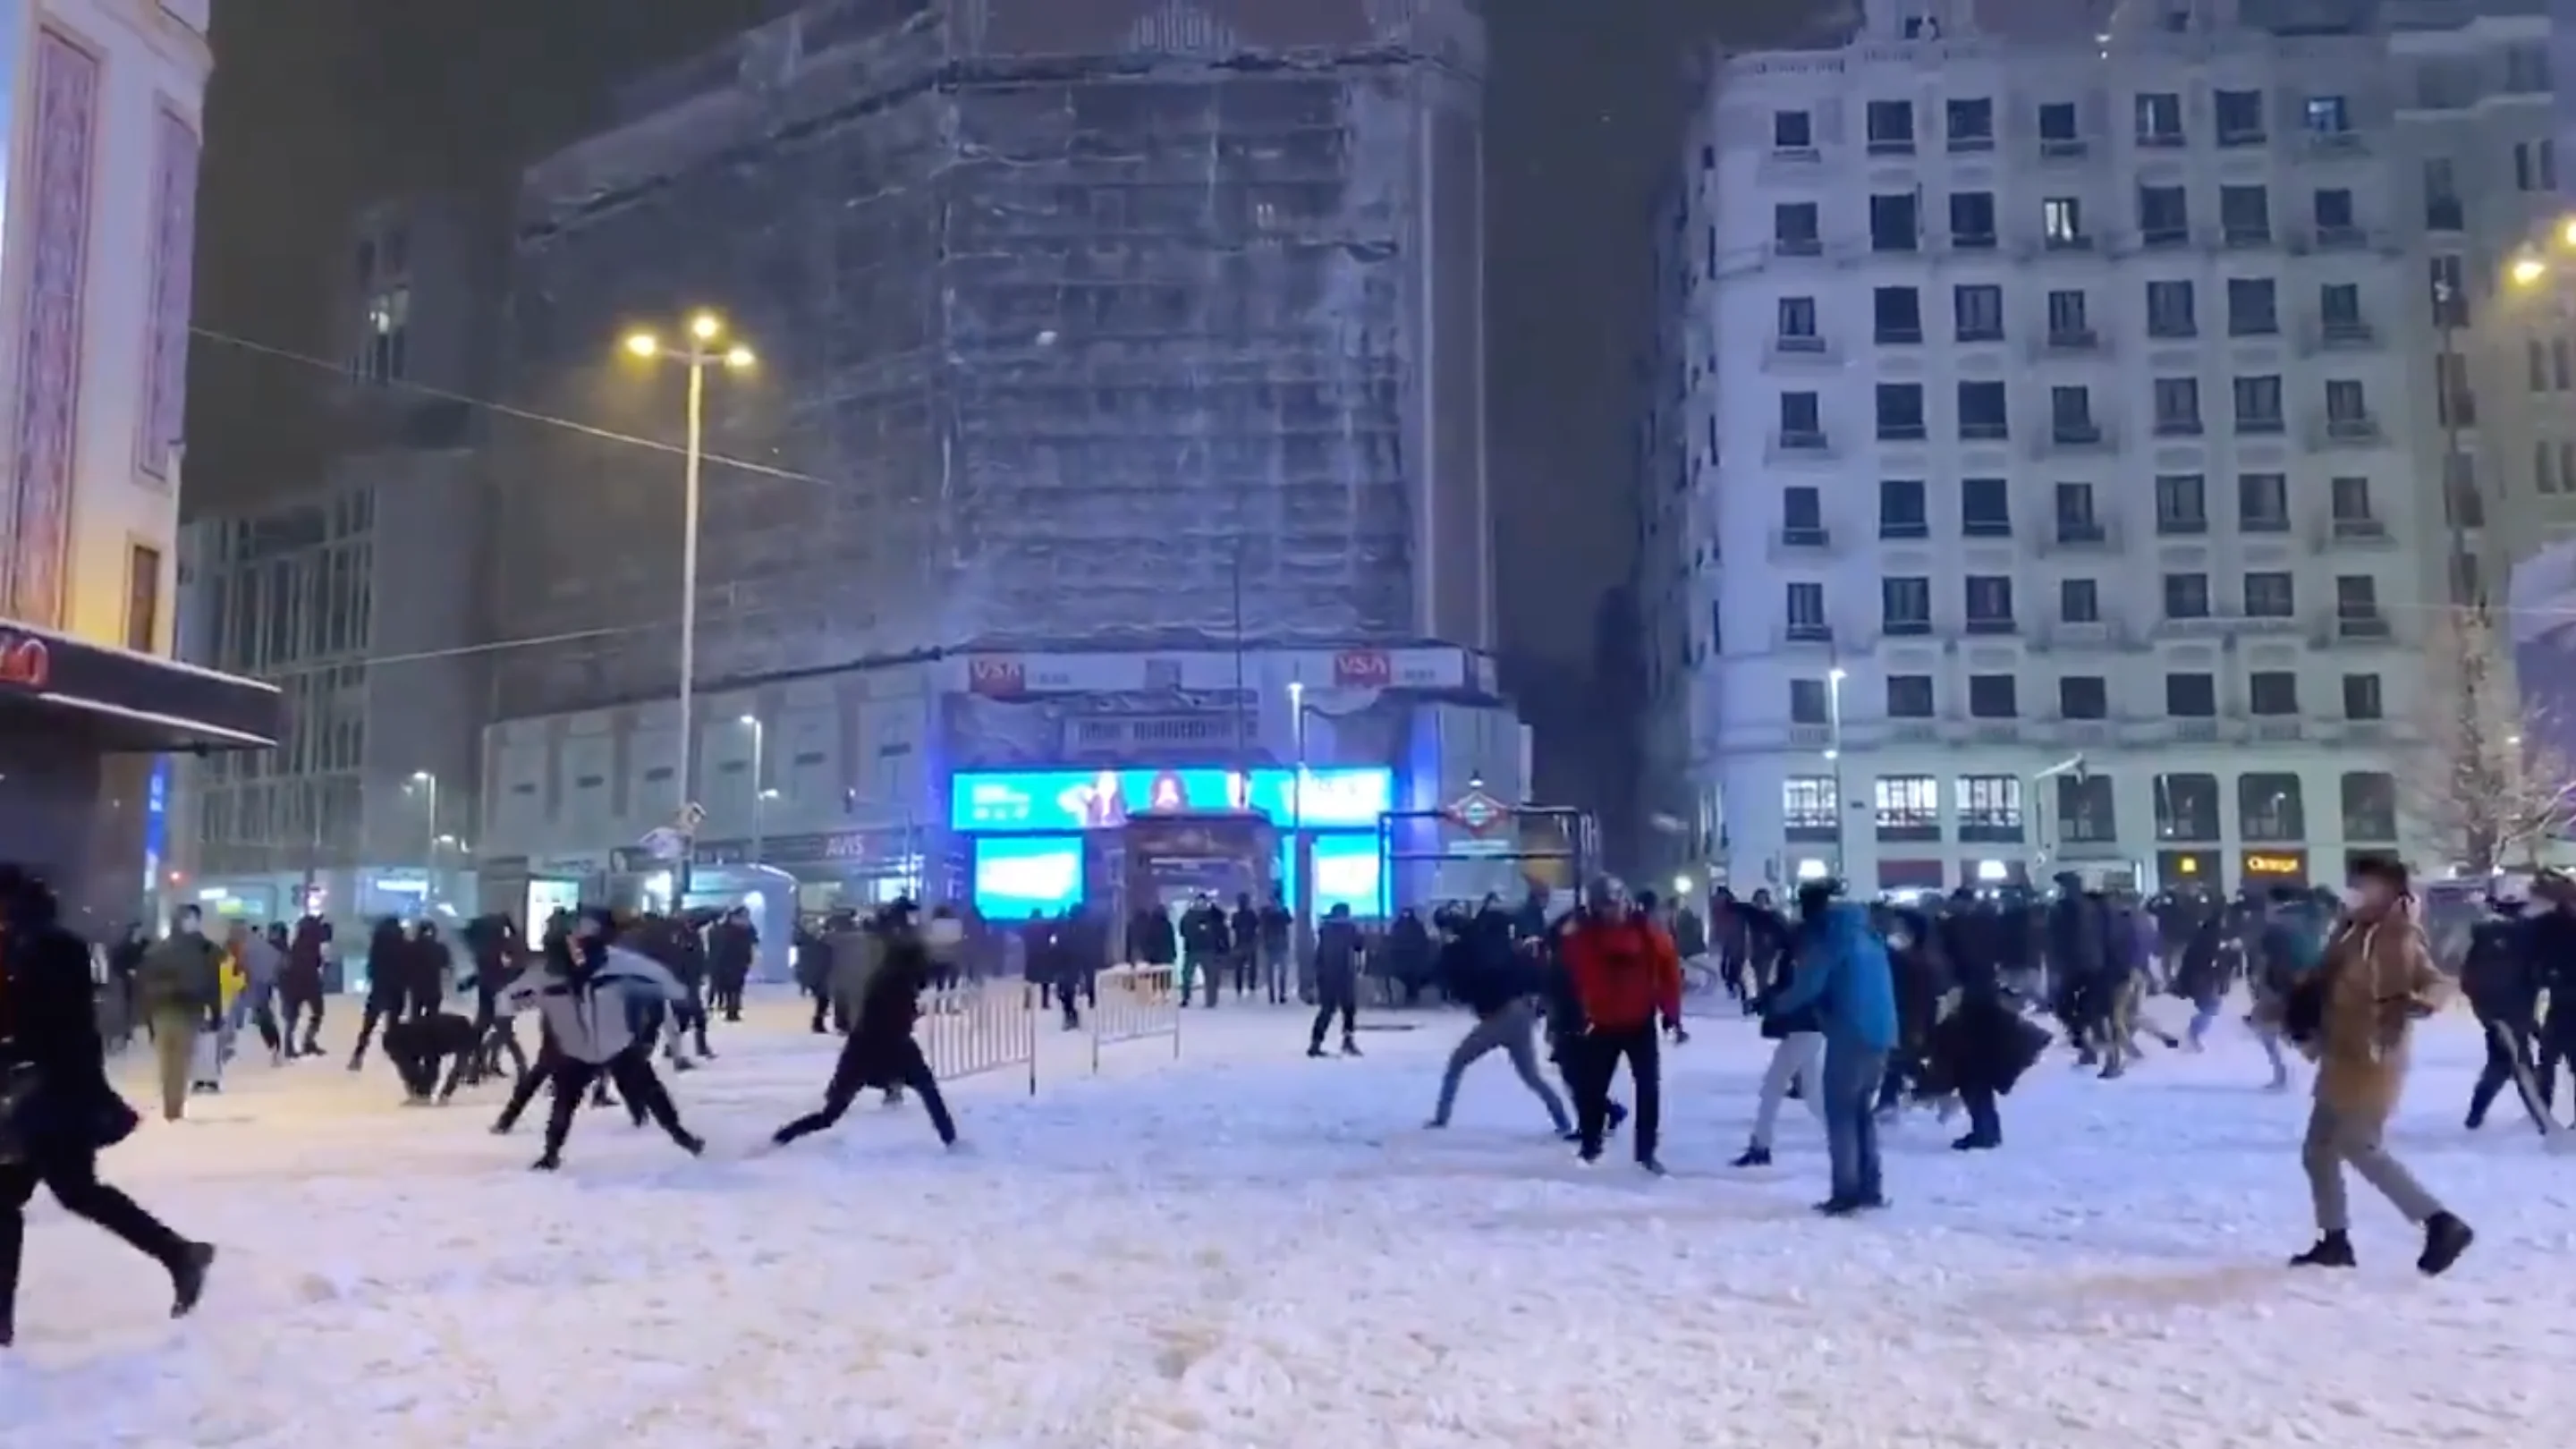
(1868, 1007)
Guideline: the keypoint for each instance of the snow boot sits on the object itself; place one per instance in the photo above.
(2445, 1239)
(1350, 1048)
(1756, 1155)
(188, 1278)
(2334, 1250)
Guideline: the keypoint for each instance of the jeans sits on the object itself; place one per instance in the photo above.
(1509, 1031)
(1852, 1076)
(1599, 1052)
(1793, 1060)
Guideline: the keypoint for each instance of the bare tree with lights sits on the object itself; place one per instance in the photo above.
(2488, 785)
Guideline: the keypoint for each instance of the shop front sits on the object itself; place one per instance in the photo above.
(2274, 866)
(1022, 831)
(80, 726)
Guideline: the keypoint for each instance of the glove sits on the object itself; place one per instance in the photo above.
(1673, 1027)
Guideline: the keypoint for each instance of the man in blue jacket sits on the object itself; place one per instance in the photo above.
(1843, 973)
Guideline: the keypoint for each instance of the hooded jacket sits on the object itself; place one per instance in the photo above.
(590, 1011)
(1843, 972)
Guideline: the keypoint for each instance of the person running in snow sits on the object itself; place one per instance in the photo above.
(1843, 974)
(880, 1050)
(2355, 1016)
(590, 994)
(57, 1111)
(417, 1044)
(1479, 968)
(1626, 975)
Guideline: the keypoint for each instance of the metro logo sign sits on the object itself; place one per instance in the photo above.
(997, 675)
(1477, 813)
(1363, 669)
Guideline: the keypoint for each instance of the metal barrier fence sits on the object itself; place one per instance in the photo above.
(1136, 1003)
(978, 1027)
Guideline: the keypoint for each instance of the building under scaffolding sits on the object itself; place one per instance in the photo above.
(1084, 324)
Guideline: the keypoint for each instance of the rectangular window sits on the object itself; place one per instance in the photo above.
(1905, 606)
(1909, 696)
(2187, 596)
(2084, 696)
(2079, 601)
(2361, 697)
(2159, 115)
(1792, 131)
(1989, 807)
(1907, 803)
(1796, 230)
(2061, 222)
(1993, 696)
(143, 599)
(2177, 401)
(1972, 220)
(1900, 509)
(2272, 692)
(1971, 124)
(1897, 314)
(2170, 310)
(2263, 502)
(1985, 508)
(2067, 321)
(1989, 600)
(2269, 594)
(1797, 319)
(2258, 404)
(2191, 696)
(1807, 804)
(1977, 312)
(2239, 117)
(2253, 307)
(1895, 222)
(1890, 127)
(1810, 702)
(2182, 505)
(2244, 215)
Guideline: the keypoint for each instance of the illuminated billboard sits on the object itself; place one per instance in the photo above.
(982, 802)
(1017, 875)
(1347, 868)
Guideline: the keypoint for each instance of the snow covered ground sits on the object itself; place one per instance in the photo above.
(1245, 1248)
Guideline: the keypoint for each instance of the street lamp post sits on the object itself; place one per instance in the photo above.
(1834, 678)
(427, 784)
(760, 791)
(1301, 861)
(706, 347)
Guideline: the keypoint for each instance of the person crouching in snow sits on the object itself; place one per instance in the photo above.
(1626, 974)
(2354, 1016)
(417, 1044)
(880, 1050)
(1843, 974)
(589, 994)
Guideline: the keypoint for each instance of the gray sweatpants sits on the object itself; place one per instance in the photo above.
(1510, 1030)
(2335, 1139)
(1793, 1060)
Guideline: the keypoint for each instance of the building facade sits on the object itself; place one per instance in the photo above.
(102, 127)
(1134, 346)
(360, 598)
(2059, 390)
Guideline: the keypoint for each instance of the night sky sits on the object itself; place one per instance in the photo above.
(321, 105)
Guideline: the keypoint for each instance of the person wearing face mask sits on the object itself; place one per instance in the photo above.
(2355, 1017)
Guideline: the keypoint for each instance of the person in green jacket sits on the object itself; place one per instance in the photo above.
(180, 986)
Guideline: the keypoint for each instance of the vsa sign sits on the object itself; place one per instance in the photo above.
(997, 676)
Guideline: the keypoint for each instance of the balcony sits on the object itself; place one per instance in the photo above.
(1990, 626)
(2077, 535)
(1800, 445)
(2067, 435)
(1918, 628)
(1898, 336)
(2063, 148)
(1972, 241)
(2336, 143)
(2445, 214)
(1983, 432)
(2346, 334)
(2196, 731)
(2260, 425)
(2164, 238)
(2341, 239)
(2354, 532)
(1797, 634)
(1797, 246)
(2355, 432)
(2162, 140)
(2067, 242)
(2245, 238)
(2238, 138)
(1801, 543)
(2178, 428)
(1903, 530)
(2071, 339)
(2364, 626)
(2275, 730)
(1899, 432)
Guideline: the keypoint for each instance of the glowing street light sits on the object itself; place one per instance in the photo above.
(706, 348)
(2526, 270)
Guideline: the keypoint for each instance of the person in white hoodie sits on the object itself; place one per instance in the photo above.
(592, 996)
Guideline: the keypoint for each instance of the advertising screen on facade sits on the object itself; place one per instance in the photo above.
(1346, 873)
(982, 802)
(1019, 874)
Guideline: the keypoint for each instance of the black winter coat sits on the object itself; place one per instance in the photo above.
(881, 1044)
(49, 1040)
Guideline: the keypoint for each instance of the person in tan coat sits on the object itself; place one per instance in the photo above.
(2376, 981)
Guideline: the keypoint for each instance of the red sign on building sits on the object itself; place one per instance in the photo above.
(1363, 669)
(1477, 813)
(998, 676)
(25, 662)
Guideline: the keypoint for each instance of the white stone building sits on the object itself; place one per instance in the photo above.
(2059, 390)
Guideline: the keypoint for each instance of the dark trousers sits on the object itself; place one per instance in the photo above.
(1597, 1056)
(419, 1070)
(1985, 1120)
(2554, 1043)
(728, 997)
(375, 1012)
(72, 1177)
(633, 1073)
(1331, 997)
(1247, 972)
(2498, 1072)
(296, 1007)
(1274, 972)
(850, 1078)
(689, 1017)
(1064, 1001)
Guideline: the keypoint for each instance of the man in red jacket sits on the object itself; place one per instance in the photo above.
(1626, 975)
